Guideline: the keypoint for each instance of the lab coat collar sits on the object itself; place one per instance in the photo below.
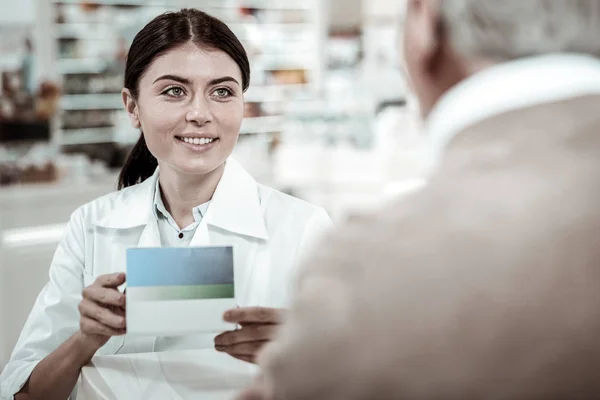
(235, 206)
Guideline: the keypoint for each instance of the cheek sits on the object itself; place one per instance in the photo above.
(158, 122)
(230, 117)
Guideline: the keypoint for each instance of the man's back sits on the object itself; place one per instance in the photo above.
(483, 285)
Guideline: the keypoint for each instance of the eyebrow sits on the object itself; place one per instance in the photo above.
(173, 78)
(221, 80)
(187, 81)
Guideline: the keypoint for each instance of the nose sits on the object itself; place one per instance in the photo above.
(199, 111)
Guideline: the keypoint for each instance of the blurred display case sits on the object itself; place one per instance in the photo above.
(282, 37)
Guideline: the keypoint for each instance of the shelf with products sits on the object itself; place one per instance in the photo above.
(96, 101)
(266, 124)
(132, 3)
(257, 125)
(86, 136)
(252, 4)
(92, 38)
(257, 4)
(81, 66)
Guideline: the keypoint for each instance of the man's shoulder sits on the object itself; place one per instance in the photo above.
(472, 213)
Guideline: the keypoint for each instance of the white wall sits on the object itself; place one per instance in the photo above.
(17, 11)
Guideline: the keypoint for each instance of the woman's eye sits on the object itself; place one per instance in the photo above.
(174, 91)
(223, 92)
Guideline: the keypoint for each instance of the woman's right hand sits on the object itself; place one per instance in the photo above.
(102, 310)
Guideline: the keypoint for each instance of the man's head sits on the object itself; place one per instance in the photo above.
(446, 41)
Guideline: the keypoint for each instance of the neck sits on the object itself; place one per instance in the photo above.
(456, 69)
(181, 192)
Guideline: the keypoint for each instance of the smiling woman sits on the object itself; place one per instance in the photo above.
(183, 110)
(185, 79)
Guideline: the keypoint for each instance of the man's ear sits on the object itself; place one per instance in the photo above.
(131, 108)
(433, 31)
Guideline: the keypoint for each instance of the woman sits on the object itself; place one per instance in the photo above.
(185, 77)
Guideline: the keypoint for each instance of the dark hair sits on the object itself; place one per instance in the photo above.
(163, 33)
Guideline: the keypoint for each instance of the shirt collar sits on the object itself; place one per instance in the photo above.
(159, 207)
(507, 87)
(235, 206)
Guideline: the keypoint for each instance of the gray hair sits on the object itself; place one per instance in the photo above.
(508, 29)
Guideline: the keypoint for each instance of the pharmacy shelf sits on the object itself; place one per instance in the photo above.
(291, 45)
(105, 135)
(118, 2)
(81, 66)
(86, 136)
(277, 93)
(95, 101)
(84, 30)
(113, 101)
(270, 62)
(300, 5)
(261, 63)
(261, 125)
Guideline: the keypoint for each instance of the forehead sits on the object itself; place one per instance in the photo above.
(193, 63)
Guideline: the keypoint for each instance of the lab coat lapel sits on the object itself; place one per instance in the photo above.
(201, 236)
(235, 218)
(150, 235)
(244, 252)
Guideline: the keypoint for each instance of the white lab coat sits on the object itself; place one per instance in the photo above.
(269, 230)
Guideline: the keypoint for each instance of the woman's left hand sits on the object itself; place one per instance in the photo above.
(259, 326)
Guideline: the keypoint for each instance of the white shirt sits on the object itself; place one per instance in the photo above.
(170, 233)
(506, 87)
(271, 233)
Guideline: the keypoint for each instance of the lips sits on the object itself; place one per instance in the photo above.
(196, 140)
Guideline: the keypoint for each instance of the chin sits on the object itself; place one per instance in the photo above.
(196, 168)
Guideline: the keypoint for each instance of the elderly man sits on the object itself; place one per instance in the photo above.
(485, 283)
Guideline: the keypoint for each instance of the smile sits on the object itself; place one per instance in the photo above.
(197, 141)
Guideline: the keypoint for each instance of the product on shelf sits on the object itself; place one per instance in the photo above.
(93, 37)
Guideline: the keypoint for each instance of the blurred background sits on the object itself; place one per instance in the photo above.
(327, 118)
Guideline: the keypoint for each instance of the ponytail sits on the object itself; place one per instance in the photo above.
(139, 166)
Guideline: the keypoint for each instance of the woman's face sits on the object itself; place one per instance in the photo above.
(190, 106)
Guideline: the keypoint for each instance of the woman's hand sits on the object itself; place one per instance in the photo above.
(259, 326)
(102, 310)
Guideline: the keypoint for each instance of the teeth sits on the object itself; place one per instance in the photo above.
(197, 141)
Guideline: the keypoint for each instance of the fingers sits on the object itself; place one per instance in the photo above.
(254, 315)
(111, 280)
(248, 333)
(243, 351)
(94, 311)
(92, 327)
(104, 295)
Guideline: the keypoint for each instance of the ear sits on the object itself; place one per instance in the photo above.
(423, 42)
(131, 108)
(434, 40)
